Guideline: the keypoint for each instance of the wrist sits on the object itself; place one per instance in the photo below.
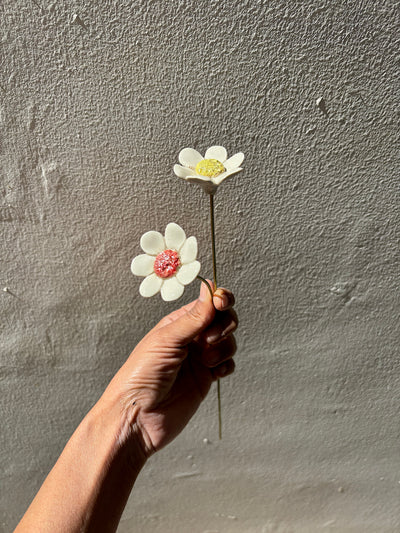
(119, 421)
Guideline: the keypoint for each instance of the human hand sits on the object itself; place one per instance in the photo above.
(170, 371)
(147, 403)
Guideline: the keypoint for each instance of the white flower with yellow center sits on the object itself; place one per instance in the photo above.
(168, 264)
(208, 171)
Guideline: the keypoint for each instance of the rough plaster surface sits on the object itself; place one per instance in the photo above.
(96, 100)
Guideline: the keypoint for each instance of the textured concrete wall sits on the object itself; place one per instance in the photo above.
(96, 100)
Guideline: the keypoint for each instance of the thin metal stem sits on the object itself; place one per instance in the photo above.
(214, 259)
(219, 409)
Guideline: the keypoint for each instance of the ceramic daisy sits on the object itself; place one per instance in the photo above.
(168, 264)
(208, 171)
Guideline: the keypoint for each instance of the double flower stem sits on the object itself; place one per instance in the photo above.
(215, 285)
(214, 260)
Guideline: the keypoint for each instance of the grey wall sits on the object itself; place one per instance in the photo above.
(96, 100)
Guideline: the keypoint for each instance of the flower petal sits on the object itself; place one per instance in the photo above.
(188, 251)
(197, 178)
(188, 157)
(142, 265)
(150, 285)
(216, 152)
(204, 182)
(234, 161)
(152, 242)
(174, 236)
(183, 172)
(171, 289)
(219, 179)
(187, 273)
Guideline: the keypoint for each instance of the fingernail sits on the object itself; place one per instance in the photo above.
(219, 293)
(204, 293)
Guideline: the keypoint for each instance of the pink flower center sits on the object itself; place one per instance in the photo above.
(166, 263)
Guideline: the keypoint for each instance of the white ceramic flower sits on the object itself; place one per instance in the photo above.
(208, 171)
(168, 264)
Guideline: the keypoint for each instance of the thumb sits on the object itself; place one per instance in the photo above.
(194, 321)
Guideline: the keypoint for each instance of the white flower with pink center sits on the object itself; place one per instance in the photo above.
(168, 264)
(208, 171)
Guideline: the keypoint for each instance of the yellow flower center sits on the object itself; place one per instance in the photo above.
(209, 168)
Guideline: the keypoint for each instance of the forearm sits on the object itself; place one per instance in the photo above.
(88, 487)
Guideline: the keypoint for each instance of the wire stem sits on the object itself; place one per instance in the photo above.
(208, 285)
(214, 259)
